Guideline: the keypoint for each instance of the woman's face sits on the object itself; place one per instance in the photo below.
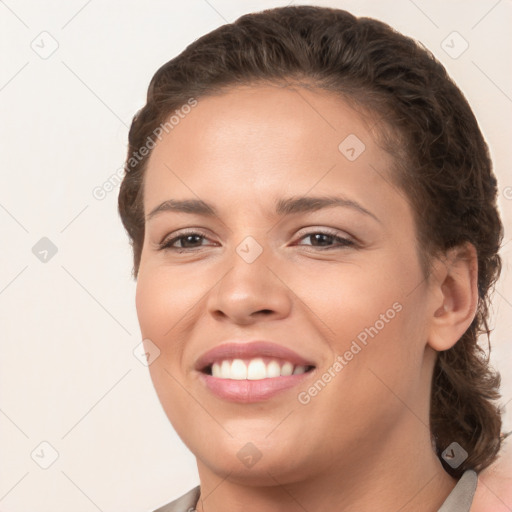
(339, 284)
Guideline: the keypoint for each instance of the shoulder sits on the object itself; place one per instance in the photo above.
(185, 503)
(494, 489)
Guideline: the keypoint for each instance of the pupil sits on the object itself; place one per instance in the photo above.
(318, 237)
(189, 237)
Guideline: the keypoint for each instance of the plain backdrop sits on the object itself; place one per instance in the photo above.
(73, 396)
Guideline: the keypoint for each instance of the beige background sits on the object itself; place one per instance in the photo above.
(68, 326)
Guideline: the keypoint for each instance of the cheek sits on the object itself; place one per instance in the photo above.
(375, 321)
(151, 301)
(350, 299)
(163, 299)
(159, 310)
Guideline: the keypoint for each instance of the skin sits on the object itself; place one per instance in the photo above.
(363, 442)
(494, 490)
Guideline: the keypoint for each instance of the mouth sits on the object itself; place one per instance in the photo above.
(253, 371)
(257, 368)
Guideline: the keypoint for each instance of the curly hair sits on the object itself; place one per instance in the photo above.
(441, 163)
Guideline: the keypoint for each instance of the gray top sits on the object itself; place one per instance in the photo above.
(459, 500)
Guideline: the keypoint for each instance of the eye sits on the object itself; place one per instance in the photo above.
(320, 240)
(324, 240)
(188, 242)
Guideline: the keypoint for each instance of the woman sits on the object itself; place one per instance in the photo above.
(313, 217)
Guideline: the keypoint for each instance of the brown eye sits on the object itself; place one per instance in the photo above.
(188, 241)
(321, 240)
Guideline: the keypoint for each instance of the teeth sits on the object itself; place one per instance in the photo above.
(238, 370)
(225, 368)
(273, 369)
(299, 369)
(287, 369)
(255, 369)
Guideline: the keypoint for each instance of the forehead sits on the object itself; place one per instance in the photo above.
(253, 140)
(264, 119)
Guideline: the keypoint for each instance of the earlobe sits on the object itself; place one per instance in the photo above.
(455, 296)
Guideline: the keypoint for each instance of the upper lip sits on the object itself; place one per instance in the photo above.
(249, 350)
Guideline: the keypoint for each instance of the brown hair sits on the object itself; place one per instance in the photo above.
(442, 164)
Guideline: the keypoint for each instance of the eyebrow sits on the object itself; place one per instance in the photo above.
(287, 206)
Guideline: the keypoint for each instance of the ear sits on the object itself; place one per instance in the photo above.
(454, 286)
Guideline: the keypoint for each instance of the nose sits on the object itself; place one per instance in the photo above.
(250, 292)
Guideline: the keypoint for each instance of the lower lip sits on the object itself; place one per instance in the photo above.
(249, 391)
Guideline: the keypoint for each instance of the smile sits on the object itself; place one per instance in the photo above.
(251, 371)
(257, 368)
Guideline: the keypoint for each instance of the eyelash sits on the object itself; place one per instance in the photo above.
(167, 244)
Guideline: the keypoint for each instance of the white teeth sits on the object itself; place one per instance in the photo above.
(287, 369)
(299, 369)
(225, 369)
(255, 369)
(238, 370)
(273, 369)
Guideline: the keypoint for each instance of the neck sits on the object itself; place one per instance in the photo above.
(400, 472)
